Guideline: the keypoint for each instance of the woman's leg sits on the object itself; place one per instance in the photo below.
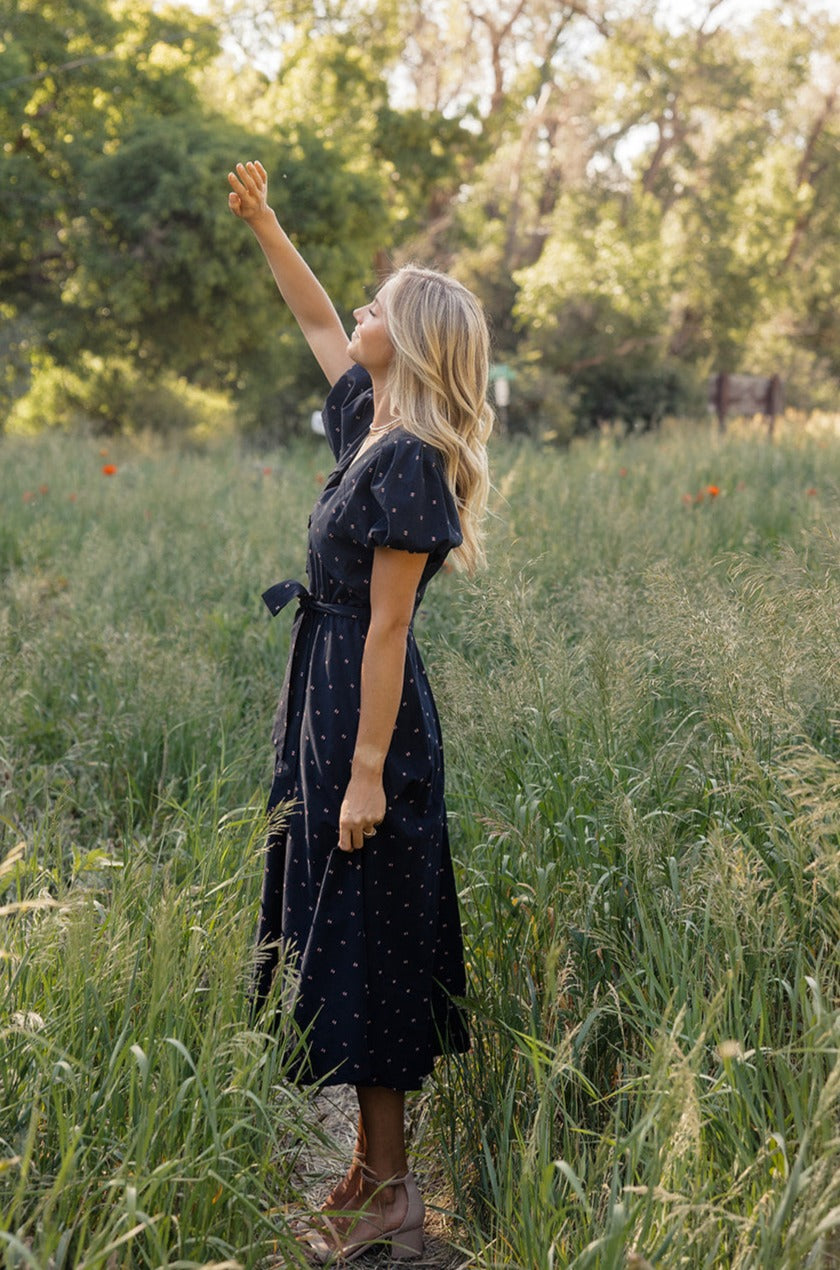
(376, 1205)
(382, 1117)
(381, 1144)
(342, 1195)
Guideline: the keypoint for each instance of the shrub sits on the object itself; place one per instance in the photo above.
(111, 396)
(542, 402)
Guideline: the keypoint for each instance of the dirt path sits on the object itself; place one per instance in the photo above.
(336, 1109)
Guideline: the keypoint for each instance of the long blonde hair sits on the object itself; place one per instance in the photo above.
(438, 383)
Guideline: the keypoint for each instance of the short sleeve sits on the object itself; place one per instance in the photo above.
(412, 507)
(348, 409)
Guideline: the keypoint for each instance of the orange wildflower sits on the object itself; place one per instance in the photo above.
(110, 469)
(28, 495)
(811, 492)
(266, 471)
(712, 491)
(43, 489)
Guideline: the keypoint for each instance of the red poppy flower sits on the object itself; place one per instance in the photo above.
(811, 492)
(110, 469)
(28, 495)
(43, 489)
(266, 471)
(712, 491)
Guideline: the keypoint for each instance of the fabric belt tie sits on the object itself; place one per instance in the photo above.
(282, 593)
(276, 598)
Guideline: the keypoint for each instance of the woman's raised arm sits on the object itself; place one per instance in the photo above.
(307, 299)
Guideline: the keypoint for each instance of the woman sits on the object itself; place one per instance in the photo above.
(359, 883)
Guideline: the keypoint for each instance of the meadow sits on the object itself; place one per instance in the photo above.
(640, 704)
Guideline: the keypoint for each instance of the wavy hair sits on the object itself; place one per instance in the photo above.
(438, 386)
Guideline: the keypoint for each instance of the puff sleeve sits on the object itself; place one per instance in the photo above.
(412, 507)
(348, 410)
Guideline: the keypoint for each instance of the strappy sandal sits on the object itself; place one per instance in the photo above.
(404, 1242)
(331, 1204)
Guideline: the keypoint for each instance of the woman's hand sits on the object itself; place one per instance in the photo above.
(361, 812)
(249, 191)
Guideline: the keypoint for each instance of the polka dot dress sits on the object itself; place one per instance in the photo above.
(375, 933)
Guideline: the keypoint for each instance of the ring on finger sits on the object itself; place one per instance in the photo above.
(368, 833)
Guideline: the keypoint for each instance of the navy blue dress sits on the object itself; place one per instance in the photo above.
(375, 934)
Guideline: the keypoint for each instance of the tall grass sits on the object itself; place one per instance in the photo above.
(640, 703)
(644, 738)
(146, 1119)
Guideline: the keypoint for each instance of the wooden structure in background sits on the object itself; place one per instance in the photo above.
(746, 395)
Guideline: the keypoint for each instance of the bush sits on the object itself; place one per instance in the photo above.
(639, 393)
(542, 402)
(111, 396)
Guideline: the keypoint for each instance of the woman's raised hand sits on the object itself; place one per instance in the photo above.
(249, 191)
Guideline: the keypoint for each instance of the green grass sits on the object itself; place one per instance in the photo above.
(639, 700)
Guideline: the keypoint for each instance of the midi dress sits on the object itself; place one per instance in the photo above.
(374, 935)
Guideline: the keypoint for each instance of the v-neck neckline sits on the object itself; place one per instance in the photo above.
(370, 449)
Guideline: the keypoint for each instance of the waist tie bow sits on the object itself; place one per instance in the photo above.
(282, 593)
(276, 598)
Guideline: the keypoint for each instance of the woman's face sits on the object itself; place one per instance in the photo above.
(370, 344)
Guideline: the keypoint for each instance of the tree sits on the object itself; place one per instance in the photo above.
(177, 281)
(72, 77)
(116, 237)
(680, 246)
(637, 200)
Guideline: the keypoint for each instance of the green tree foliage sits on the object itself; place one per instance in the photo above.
(73, 79)
(175, 280)
(340, 70)
(638, 200)
(117, 238)
(694, 240)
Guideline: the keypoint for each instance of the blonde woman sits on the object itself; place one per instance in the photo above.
(358, 882)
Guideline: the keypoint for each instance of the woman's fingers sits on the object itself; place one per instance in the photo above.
(251, 177)
(345, 835)
(249, 185)
(247, 180)
(244, 178)
(352, 837)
